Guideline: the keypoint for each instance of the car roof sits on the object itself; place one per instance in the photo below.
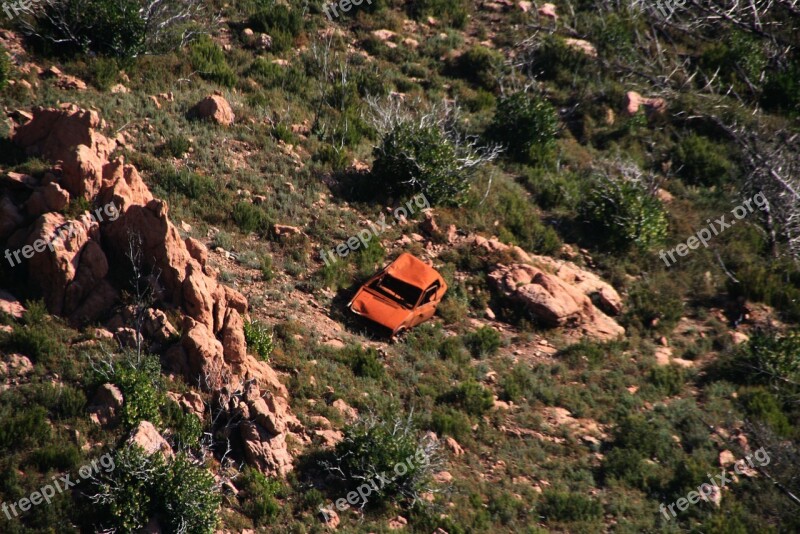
(412, 270)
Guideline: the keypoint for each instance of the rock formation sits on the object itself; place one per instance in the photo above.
(73, 260)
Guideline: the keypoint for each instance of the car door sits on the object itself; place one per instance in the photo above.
(427, 305)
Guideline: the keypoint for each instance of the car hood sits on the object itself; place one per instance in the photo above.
(379, 309)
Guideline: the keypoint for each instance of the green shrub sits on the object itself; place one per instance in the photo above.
(40, 342)
(516, 384)
(281, 22)
(471, 397)
(453, 12)
(521, 225)
(185, 182)
(624, 213)
(209, 59)
(569, 506)
(185, 428)
(365, 362)
(371, 447)
(142, 388)
(105, 72)
(259, 338)
(701, 161)
(526, 125)
(668, 379)
(179, 493)
(761, 404)
(251, 218)
(413, 158)
(177, 145)
(654, 303)
(484, 341)
(23, 427)
(107, 27)
(447, 421)
(267, 272)
(257, 495)
(5, 69)
(480, 65)
(782, 90)
(452, 348)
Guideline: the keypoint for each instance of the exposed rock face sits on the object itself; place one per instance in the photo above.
(74, 257)
(559, 293)
(653, 106)
(148, 438)
(214, 108)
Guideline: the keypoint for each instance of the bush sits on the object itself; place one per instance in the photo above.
(250, 218)
(177, 145)
(185, 182)
(105, 72)
(179, 493)
(563, 506)
(209, 59)
(107, 27)
(526, 125)
(413, 158)
(267, 273)
(483, 342)
(702, 161)
(626, 213)
(259, 338)
(782, 90)
(257, 494)
(480, 65)
(365, 362)
(5, 69)
(371, 447)
(760, 403)
(281, 22)
(453, 12)
(668, 379)
(471, 397)
(142, 388)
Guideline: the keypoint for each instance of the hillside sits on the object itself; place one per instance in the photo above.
(192, 192)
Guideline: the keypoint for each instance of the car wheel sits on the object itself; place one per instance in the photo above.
(398, 335)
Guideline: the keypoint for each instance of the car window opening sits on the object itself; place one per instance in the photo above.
(397, 290)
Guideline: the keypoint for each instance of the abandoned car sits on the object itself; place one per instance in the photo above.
(401, 296)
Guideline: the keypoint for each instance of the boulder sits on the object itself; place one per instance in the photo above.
(106, 405)
(214, 108)
(150, 440)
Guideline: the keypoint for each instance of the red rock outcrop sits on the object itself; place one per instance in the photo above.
(73, 258)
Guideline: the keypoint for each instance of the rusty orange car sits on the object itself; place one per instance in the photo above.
(401, 296)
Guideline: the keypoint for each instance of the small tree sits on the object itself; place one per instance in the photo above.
(123, 28)
(425, 152)
(626, 209)
(526, 125)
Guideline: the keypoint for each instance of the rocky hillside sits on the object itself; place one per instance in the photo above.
(192, 192)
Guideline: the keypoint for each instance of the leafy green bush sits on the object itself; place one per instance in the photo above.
(23, 427)
(365, 362)
(107, 27)
(668, 379)
(471, 397)
(177, 145)
(484, 341)
(654, 303)
(259, 338)
(447, 421)
(526, 125)
(624, 214)
(702, 161)
(185, 182)
(178, 492)
(760, 403)
(257, 495)
(281, 22)
(5, 69)
(782, 90)
(479, 65)
(142, 388)
(413, 158)
(371, 447)
(569, 506)
(105, 72)
(251, 218)
(209, 59)
(267, 273)
(453, 12)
